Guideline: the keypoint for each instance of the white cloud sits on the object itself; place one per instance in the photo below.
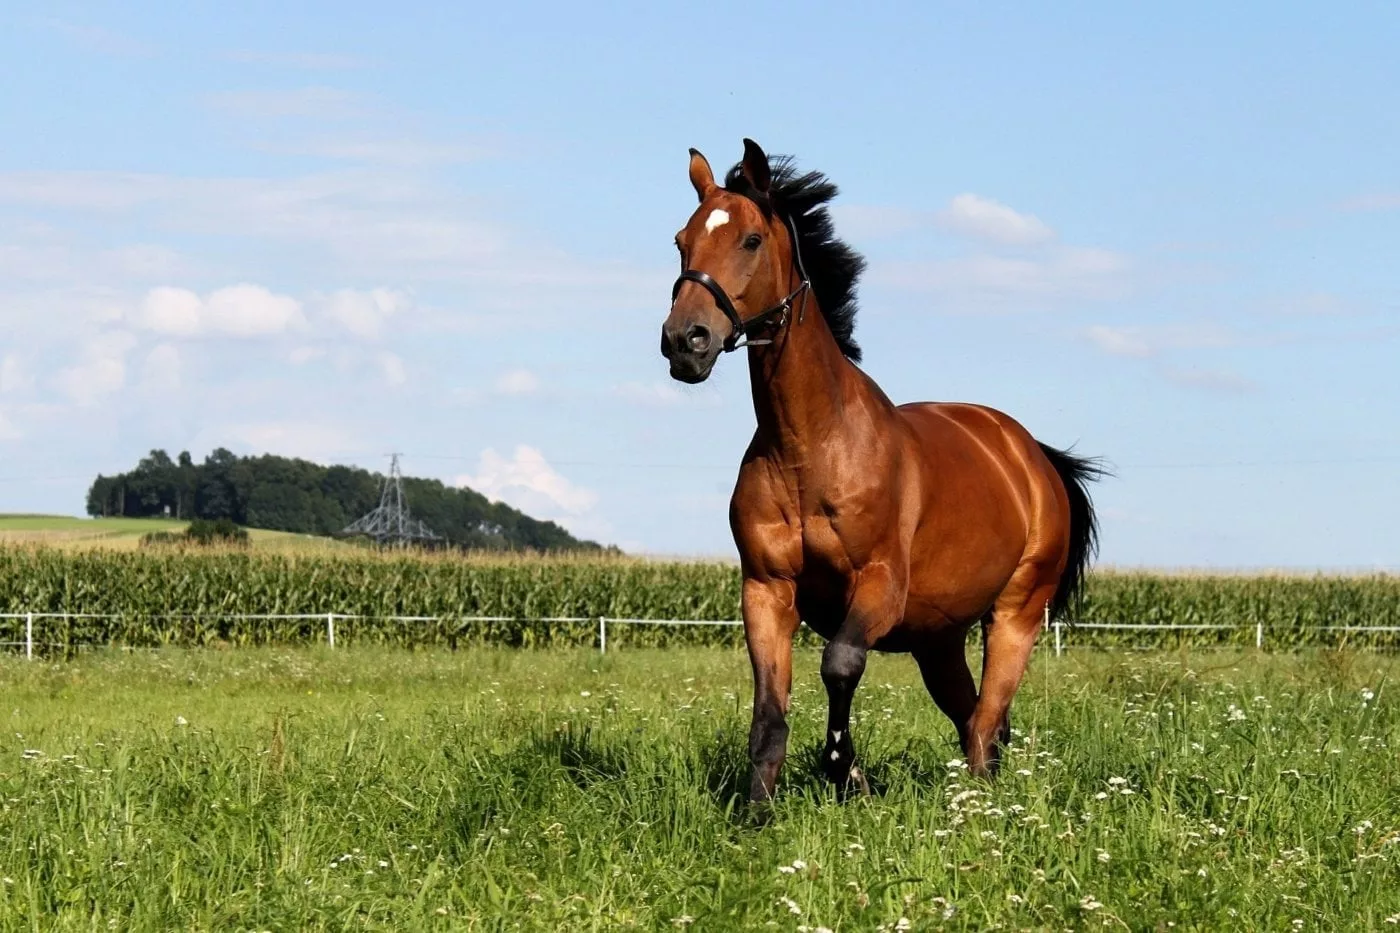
(662, 394)
(310, 440)
(303, 355)
(1373, 202)
(238, 311)
(9, 431)
(162, 369)
(1210, 380)
(517, 382)
(356, 222)
(1145, 342)
(379, 151)
(527, 482)
(100, 372)
(363, 313)
(324, 103)
(1059, 274)
(983, 218)
(1120, 341)
(393, 369)
(312, 61)
(251, 311)
(856, 222)
(97, 39)
(14, 375)
(174, 311)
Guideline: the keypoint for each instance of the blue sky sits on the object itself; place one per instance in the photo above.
(1166, 236)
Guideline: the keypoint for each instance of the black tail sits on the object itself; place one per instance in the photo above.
(1076, 473)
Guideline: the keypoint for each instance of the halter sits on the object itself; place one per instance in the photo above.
(742, 327)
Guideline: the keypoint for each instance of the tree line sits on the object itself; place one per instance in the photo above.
(285, 494)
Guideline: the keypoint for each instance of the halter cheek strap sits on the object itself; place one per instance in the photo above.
(740, 327)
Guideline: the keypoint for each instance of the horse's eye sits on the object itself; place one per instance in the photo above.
(752, 241)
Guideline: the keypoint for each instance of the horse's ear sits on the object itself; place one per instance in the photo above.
(701, 176)
(756, 168)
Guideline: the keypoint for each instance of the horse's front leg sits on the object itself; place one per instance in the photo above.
(877, 603)
(770, 621)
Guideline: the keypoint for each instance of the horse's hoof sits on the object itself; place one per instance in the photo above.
(760, 812)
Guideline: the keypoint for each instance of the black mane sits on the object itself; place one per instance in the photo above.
(832, 266)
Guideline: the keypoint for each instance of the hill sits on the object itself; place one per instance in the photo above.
(73, 533)
(293, 495)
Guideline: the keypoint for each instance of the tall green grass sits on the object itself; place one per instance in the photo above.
(268, 789)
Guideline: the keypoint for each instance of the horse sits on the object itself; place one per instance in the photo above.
(892, 528)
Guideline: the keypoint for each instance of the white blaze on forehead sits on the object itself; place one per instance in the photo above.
(717, 218)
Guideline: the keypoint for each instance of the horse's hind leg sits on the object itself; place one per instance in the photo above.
(1016, 622)
(1003, 734)
(943, 665)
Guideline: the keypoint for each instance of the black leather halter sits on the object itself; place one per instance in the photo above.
(741, 327)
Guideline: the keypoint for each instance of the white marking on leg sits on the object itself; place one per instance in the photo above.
(835, 735)
(835, 756)
(717, 218)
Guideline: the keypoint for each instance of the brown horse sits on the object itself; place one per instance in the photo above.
(893, 528)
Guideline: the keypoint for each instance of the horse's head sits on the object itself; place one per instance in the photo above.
(736, 268)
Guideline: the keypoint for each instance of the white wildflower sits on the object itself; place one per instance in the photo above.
(1103, 856)
(791, 905)
(1087, 902)
(181, 721)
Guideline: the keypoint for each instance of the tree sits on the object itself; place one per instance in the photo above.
(300, 496)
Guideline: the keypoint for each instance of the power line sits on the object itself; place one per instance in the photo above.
(389, 522)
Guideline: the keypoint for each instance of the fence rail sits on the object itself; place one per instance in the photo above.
(1059, 629)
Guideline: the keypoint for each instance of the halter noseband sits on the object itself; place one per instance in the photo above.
(741, 327)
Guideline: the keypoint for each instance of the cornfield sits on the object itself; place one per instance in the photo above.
(187, 597)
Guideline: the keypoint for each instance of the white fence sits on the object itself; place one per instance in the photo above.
(1059, 629)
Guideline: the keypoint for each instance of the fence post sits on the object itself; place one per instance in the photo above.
(602, 635)
(330, 629)
(1259, 635)
(1059, 647)
(29, 636)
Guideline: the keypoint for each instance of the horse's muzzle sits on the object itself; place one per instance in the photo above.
(691, 350)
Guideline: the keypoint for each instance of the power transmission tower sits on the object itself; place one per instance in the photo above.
(390, 523)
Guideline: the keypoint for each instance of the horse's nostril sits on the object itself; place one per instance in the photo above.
(698, 338)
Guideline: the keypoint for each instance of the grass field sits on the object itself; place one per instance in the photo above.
(490, 789)
(72, 533)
